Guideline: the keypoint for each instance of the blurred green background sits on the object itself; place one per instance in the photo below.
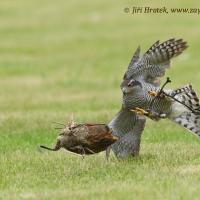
(59, 58)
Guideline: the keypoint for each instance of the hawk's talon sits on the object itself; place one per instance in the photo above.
(152, 93)
(163, 116)
(160, 94)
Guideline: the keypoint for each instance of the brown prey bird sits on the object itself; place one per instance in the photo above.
(84, 139)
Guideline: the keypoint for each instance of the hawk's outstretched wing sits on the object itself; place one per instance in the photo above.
(128, 127)
(152, 65)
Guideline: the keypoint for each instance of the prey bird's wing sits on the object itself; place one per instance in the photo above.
(153, 64)
(128, 127)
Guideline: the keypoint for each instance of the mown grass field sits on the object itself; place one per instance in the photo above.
(63, 57)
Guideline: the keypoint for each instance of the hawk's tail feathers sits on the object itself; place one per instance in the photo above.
(160, 53)
(190, 121)
(187, 113)
(188, 97)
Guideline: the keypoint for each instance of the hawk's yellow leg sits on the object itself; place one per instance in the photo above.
(140, 111)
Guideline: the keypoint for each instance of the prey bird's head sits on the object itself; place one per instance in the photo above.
(130, 86)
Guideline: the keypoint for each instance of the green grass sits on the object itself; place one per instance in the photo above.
(63, 57)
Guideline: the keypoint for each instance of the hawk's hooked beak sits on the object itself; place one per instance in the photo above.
(124, 90)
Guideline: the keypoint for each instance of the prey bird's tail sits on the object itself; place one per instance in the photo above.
(186, 110)
(56, 148)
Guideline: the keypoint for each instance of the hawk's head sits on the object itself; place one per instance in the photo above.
(130, 86)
